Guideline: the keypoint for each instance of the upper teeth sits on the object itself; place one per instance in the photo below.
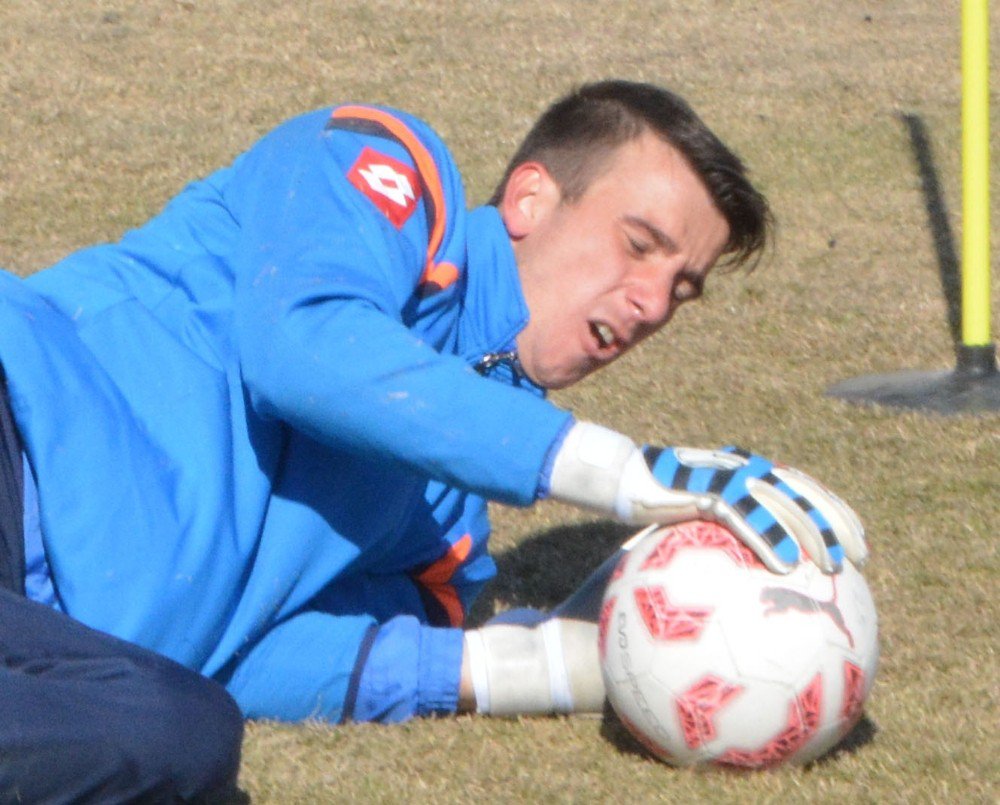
(605, 334)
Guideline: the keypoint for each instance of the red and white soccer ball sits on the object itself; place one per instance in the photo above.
(709, 657)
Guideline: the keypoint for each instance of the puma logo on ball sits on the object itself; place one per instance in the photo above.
(782, 599)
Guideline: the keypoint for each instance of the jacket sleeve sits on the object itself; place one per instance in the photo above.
(382, 644)
(323, 279)
(318, 665)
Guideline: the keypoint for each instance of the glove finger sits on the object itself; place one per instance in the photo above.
(728, 458)
(794, 512)
(703, 479)
(680, 486)
(830, 542)
(755, 465)
(736, 450)
(771, 543)
(750, 521)
(805, 523)
(734, 490)
(842, 518)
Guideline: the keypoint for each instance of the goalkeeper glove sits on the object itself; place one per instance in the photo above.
(775, 510)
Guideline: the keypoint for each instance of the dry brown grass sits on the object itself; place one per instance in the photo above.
(107, 108)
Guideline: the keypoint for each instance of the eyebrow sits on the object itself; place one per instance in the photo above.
(657, 234)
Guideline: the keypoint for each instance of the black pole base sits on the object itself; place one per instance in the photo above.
(972, 387)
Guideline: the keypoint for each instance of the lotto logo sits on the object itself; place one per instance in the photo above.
(389, 184)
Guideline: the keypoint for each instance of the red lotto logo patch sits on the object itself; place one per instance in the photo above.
(389, 184)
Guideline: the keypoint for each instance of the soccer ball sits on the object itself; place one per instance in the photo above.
(709, 657)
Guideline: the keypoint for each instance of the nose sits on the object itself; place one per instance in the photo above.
(651, 297)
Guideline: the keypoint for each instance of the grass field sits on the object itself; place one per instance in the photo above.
(107, 107)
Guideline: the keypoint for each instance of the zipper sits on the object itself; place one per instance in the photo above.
(493, 359)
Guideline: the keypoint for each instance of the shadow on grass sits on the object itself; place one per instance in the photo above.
(862, 734)
(545, 569)
(938, 219)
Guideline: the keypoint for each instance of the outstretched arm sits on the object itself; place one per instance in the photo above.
(777, 511)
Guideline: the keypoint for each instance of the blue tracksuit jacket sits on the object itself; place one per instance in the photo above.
(259, 443)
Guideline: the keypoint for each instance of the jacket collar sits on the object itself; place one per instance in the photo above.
(494, 310)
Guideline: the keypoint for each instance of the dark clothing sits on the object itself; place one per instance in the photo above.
(90, 718)
(85, 717)
(11, 499)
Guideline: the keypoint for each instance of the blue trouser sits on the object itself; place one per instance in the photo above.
(85, 717)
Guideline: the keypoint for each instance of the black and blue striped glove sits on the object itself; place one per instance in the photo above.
(777, 511)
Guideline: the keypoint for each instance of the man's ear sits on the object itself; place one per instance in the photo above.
(530, 194)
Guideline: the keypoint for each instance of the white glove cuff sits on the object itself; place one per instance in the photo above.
(475, 652)
(518, 670)
(555, 658)
(588, 467)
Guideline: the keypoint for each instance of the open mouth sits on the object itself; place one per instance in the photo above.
(603, 333)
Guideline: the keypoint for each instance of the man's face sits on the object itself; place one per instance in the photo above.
(601, 273)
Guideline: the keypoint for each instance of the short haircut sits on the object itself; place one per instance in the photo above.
(576, 136)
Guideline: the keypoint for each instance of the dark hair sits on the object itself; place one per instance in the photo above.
(576, 136)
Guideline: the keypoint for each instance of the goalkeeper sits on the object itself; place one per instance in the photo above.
(295, 389)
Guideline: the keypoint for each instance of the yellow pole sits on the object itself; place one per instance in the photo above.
(975, 174)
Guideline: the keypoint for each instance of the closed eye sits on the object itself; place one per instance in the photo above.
(638, 247)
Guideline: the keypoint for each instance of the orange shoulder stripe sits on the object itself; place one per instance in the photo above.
(428, 171)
